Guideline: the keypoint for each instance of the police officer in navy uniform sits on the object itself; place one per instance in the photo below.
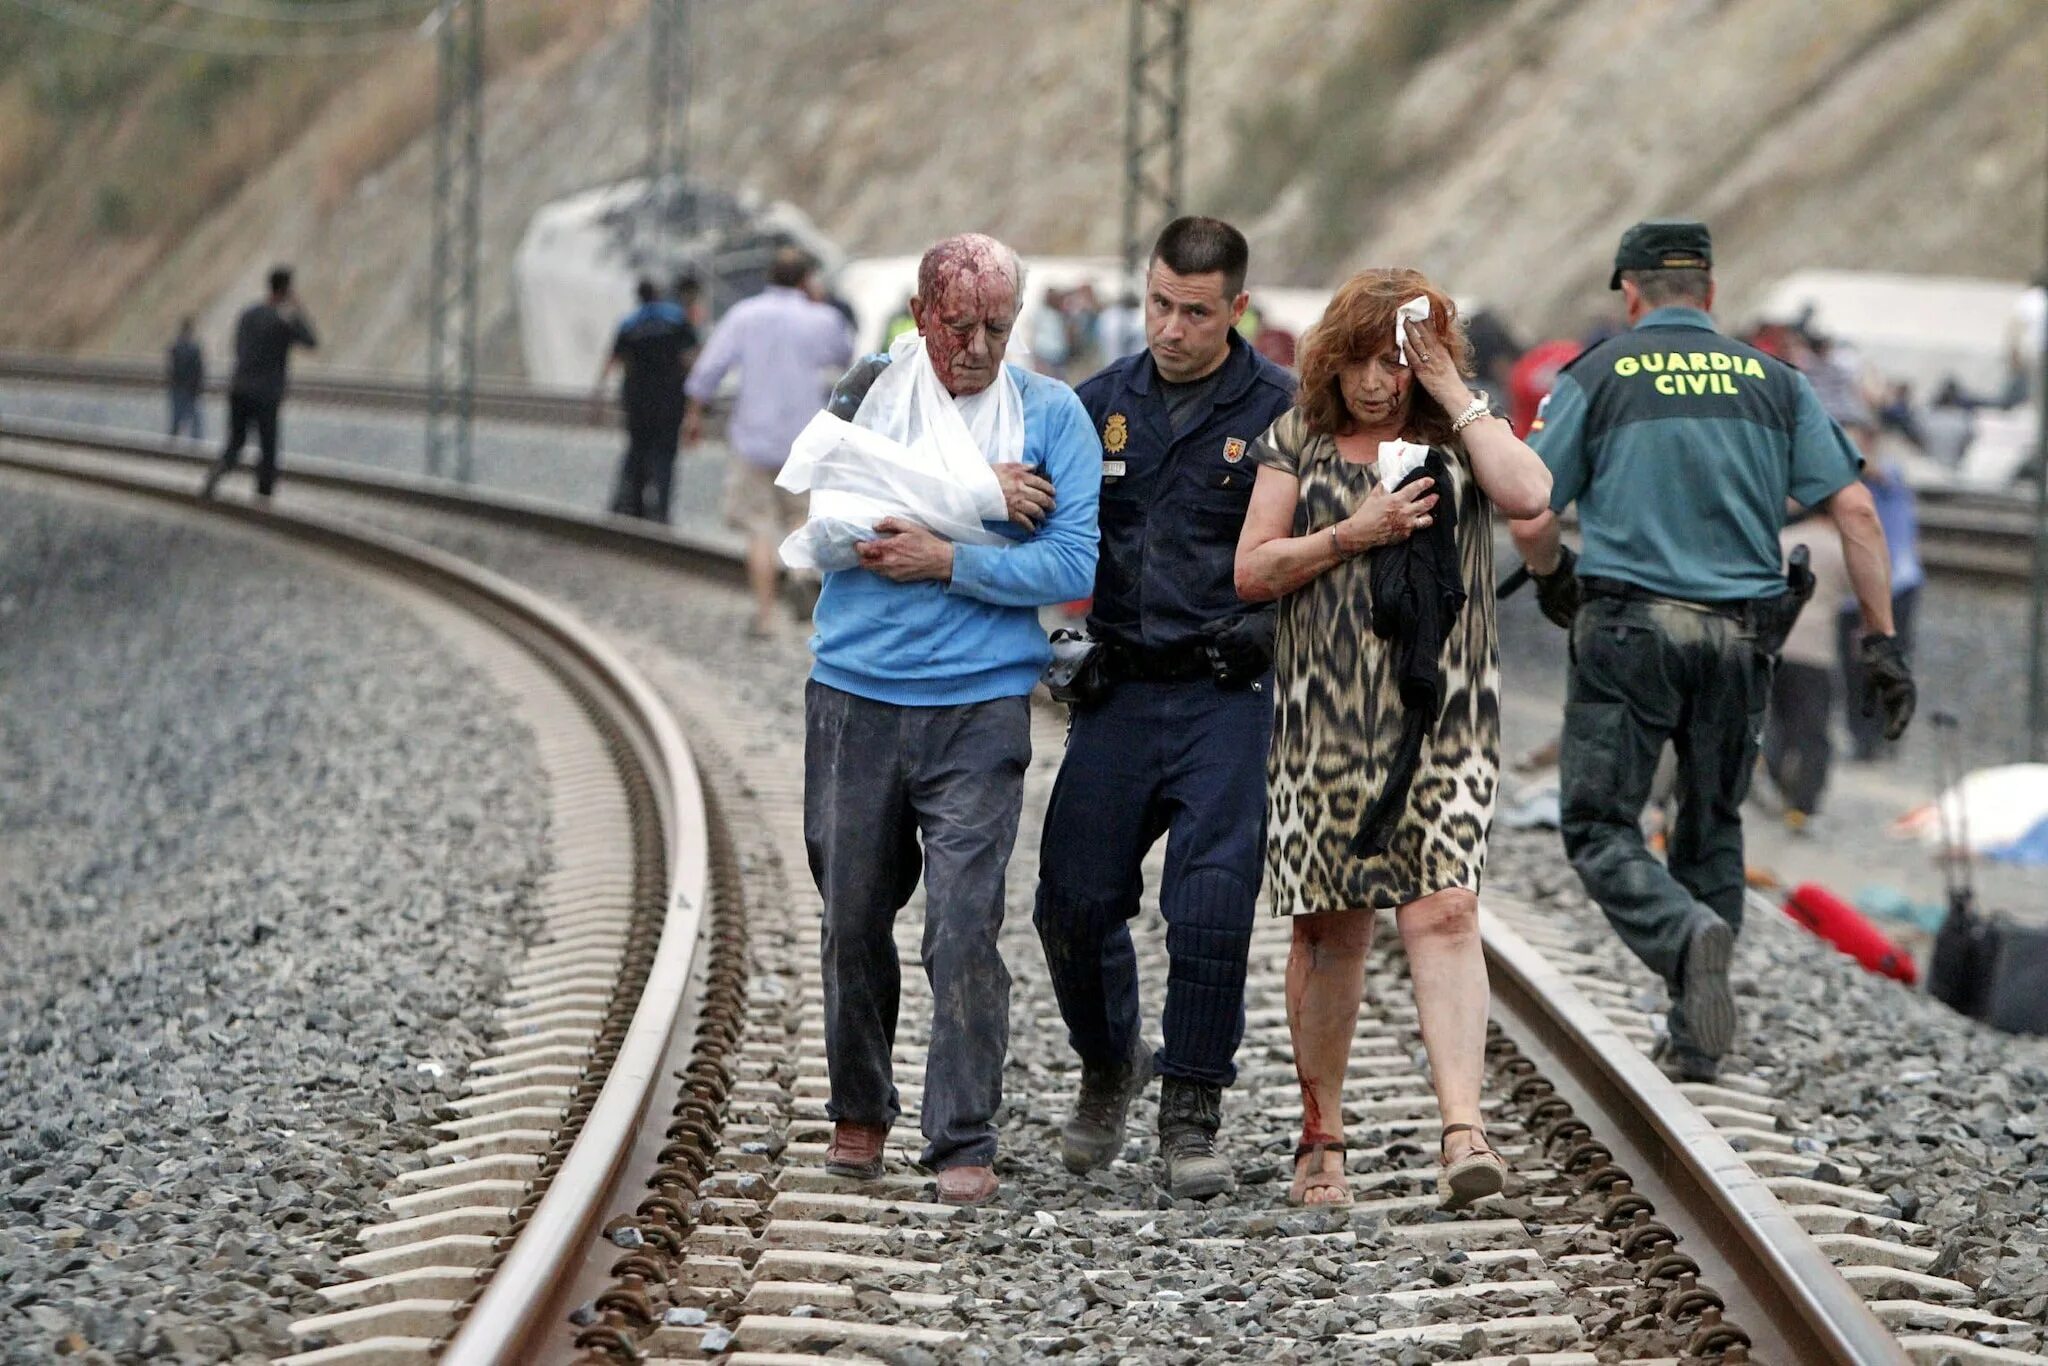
(1681, 448)
(1176, 744)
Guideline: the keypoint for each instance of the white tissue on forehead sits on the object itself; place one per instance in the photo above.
(1415, 310)
(1398, 460)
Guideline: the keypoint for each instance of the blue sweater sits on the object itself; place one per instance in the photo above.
(977, 638)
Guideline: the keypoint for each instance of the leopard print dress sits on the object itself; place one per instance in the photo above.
(1338, 716)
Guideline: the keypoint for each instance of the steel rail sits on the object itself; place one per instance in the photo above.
(1779, 1286)
(698, 555)
(494, 398)
(520, 1303)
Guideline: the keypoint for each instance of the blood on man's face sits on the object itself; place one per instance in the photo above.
(966, 323)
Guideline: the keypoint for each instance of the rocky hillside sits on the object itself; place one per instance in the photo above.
(1500, 144)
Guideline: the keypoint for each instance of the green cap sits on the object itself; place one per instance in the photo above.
(1663, 244)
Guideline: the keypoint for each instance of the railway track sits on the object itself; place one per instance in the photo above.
(512, 402)
(1976, 535)
(1659, 1221)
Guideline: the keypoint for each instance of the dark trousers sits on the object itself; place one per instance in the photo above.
(647, 471)
(1185, 758)
(244, 410)
(1797, 749)
(878, 779)
(1645, 673)
(1866, 733)
(185, 416)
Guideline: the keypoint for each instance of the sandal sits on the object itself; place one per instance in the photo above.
(1317, 1179)
(1475, 1176)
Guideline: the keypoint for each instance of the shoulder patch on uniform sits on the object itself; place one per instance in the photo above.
(1233, 449)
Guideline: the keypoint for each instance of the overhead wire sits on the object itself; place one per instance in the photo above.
(155, 31)
(314, 11)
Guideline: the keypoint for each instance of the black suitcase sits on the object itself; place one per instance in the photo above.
(1984, 966)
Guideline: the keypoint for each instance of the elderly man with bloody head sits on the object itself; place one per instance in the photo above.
(917, 725)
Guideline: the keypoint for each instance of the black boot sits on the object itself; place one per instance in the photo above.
(1190, 1112)
(1095, 1133)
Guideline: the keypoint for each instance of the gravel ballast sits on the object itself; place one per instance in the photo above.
(266, 851)
(1949, 1113)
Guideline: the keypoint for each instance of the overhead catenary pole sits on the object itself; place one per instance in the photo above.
(456, 210)
(2037, 616)
(1155, 95)
(668, 98)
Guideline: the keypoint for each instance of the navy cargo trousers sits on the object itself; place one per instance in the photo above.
(1187, 760)
(1645, 672)
(890, 791)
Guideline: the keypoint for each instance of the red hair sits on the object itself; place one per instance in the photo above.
(1358, 325)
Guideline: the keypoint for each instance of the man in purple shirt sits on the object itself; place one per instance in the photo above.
(788, 349)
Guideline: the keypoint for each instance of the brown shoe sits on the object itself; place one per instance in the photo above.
(967, 1186)
(856, 1150)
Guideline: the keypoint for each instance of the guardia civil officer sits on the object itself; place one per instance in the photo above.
(1681, 448)
(1175, 738)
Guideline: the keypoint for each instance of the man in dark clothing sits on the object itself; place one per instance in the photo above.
(185, 373)
(264, 337)
(1681, 447)
(1179, 740)
(655, 346)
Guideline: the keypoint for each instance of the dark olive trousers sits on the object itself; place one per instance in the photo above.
(1644, 673)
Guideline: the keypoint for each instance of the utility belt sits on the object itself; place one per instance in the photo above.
(1235, 652)
(1141, 664)
(1768, 620)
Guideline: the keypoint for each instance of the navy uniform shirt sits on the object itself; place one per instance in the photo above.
(1680, 446)
(651, 344)
(1172, 506)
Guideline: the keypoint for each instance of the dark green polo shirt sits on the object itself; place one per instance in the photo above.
(1680, 446)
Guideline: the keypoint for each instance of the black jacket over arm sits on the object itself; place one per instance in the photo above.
(1418, 589)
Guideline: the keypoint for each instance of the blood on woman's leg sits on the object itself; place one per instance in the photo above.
(1325, 982)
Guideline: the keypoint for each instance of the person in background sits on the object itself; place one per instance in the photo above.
(688, 292)
(654, 346)
(185, 376)
(264, 337)
(1082, 314)
(1122, 329)
(1048, 341)
(1494, 352)
(1386, 737)
(1898, 510)
(1276, 344)
(1177, 745)
(917, 727)
(1531, 376)
(1798, 748)
(786, 347)
(900, 322)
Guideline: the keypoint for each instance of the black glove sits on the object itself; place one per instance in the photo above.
(1888, 684)
(1240, 648)
(1557, 592)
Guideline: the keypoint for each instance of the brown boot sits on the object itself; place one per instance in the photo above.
(967, 1185)
(856, 1150)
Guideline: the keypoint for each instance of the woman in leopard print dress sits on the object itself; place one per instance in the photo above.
(1317, 509)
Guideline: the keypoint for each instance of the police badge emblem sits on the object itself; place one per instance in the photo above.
(1233, 450)
(1116, 433)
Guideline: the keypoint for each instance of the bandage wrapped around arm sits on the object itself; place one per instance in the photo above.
(857, 477)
